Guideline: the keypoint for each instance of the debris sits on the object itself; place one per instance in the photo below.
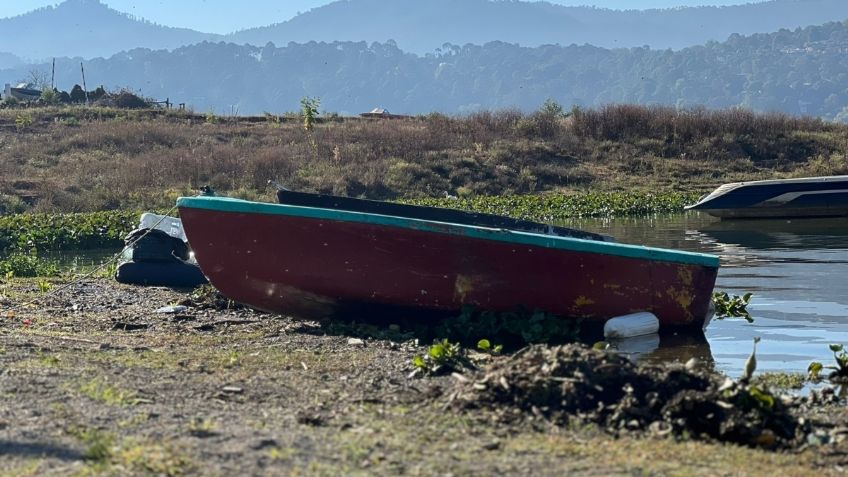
(119, 325)
(573, 382)
(355, 342)
(172, 309)
(232, 389)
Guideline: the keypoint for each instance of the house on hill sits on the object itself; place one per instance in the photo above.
(21, 92)
(380, 113)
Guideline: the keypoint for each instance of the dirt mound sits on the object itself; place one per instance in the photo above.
(573, 382)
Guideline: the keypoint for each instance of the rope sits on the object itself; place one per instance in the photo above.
(91, 273)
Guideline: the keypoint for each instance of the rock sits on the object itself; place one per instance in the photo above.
(355, 342)
(232, 389)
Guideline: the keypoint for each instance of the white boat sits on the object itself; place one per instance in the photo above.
(781, 198)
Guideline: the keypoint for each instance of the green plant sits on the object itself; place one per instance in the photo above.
(65, 231)
(49, 96)
(486, 346)
(100, 446)
(200, 427)
(309, 110)
(552, 108)
(27, 264)
(211, 117)
(442, 357)
(727, 306)
(840, 371)
(23, 121)
(512, 329)
(44, 286)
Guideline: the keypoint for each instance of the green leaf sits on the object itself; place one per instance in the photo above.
(498, 349)
(836, 348)
(765, 399)
(419, 362)
(814, 369)
(484, 345)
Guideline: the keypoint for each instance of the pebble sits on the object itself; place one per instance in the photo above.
(355, 342)
(232, 389)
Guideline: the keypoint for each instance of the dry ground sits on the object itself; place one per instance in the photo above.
(94, 382)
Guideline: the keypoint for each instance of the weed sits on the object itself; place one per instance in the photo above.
(211, 117)
(99, 389)
(840, 371)
(28, 265)
(44, 286)
(309, 110)
(100, 445)
(727, 306)
(781, 380)
(513, 329)
(23, 121)
(200, 427)
(486, 346)
(442, 357)
(48, 360)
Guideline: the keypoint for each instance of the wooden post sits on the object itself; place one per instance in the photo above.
(84, 87)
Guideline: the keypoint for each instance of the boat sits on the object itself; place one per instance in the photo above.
(439, 214)
(321, 262)
(781, 198)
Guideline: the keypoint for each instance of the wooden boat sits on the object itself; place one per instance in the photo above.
(454, 216)
(318, 262)
(782, 198)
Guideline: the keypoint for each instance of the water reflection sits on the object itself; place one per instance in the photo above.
(797, 269)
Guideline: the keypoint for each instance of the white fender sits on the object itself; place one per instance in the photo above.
(635, 324)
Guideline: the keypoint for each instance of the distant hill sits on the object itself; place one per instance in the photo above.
(87, 29)
(8, 60)
(799, 72)
(422, 26)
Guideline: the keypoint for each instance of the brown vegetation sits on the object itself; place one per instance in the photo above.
(79, 159)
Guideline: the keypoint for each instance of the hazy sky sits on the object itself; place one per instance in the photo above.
(225, 16)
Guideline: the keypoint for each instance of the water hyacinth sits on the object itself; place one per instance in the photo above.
(65, 231)
(549, 207)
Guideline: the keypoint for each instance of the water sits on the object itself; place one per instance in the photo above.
(80, 261)
(797, 270)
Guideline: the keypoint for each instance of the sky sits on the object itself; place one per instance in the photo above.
(226, 16)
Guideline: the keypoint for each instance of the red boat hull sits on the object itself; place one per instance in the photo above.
(315, 267)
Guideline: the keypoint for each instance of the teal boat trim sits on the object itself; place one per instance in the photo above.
(227, 204)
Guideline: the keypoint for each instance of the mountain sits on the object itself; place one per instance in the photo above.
(8, 60)
(423, 26)
(804, 71)
(87, 29)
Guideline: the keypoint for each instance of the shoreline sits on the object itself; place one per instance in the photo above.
(98, 382)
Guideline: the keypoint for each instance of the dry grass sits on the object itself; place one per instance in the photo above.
(81, 159)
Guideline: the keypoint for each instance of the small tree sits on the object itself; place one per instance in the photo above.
(552, 108)
(77, 94)
(37, 79)
(309, 109)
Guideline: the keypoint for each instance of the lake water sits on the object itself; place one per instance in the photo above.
(796, 269)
